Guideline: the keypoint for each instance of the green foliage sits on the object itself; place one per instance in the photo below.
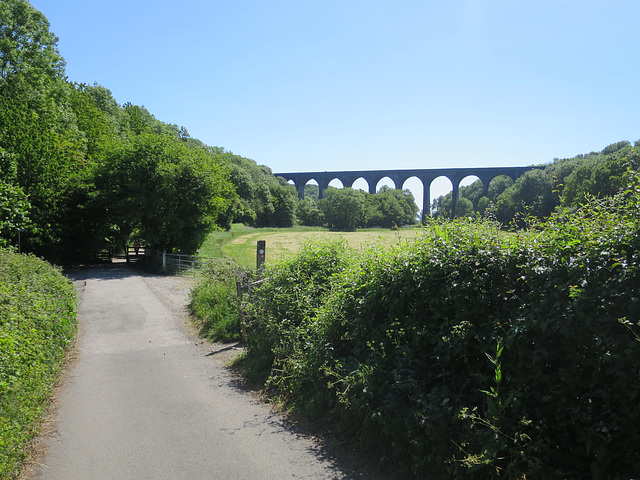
(308, 212)
(170, 195)
(283, 328)
(471, 353)
(390, 208)
(599, 178)
(85, 174)
(26, 44)
(534, 192)
(37, 324)
(408, 332)
(99, 118)
(214, 300)
(348, 209)
(263, 200)
(343, 208)
(284, 198)
(566, 183)
(37, 126)
(471, 199)
(14, 204)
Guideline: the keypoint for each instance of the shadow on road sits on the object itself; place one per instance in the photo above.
(345, 461)
(113, 271)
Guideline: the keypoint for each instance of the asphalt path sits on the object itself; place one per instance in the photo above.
(145, 400)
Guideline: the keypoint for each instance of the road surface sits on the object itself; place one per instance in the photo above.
(146, 401)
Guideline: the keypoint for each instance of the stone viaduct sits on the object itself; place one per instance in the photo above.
(398, 177)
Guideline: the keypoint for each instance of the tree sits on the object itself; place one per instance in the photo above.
(14, 205)
(99, 118)
(464, 207)
(26, 44)
(534, 192)
(160, 190)
(308, 213)
(383, 210)
(484, 204)
(498, 185)
(37, 127)
(283, 198)
(343, 208)
(390, 208)
(263, 200)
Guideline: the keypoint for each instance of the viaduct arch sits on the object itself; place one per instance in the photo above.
(426, 176)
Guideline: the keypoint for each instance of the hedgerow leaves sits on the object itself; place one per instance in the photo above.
(471, 353)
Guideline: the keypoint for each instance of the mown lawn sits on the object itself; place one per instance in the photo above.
(240, 242)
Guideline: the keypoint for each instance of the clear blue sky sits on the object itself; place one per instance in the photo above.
(344, 85)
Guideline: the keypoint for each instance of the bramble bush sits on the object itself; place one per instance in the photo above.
(470, 353)
(37, 324)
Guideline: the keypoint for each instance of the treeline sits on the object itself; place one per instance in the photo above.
(563, 183)
(347, 209)
(81, 174)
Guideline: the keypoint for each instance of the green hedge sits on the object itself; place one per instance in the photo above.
(470, 353)
(282, 326)
(37, 324)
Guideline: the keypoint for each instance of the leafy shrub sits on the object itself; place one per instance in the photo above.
(471, 353)
(575, 339)
(37, 324)
(214, 300)
(407, 333)
(282, 337)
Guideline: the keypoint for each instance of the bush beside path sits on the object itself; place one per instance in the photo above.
(37, 326)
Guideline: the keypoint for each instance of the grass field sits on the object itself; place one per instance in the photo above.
(240, 241)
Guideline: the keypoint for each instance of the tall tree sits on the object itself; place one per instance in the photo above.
(14, 204)
(26, 44)
(37, 126)
(164, 192)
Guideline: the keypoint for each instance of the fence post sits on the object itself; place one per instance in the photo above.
(260, 256)
(164, 262)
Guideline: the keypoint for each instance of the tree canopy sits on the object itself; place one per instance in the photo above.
(81, 172)
(564, 183)
(348, 209)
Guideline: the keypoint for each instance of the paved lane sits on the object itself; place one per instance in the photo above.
(145, 402)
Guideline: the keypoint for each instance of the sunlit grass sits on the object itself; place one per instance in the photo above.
(241, 241)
